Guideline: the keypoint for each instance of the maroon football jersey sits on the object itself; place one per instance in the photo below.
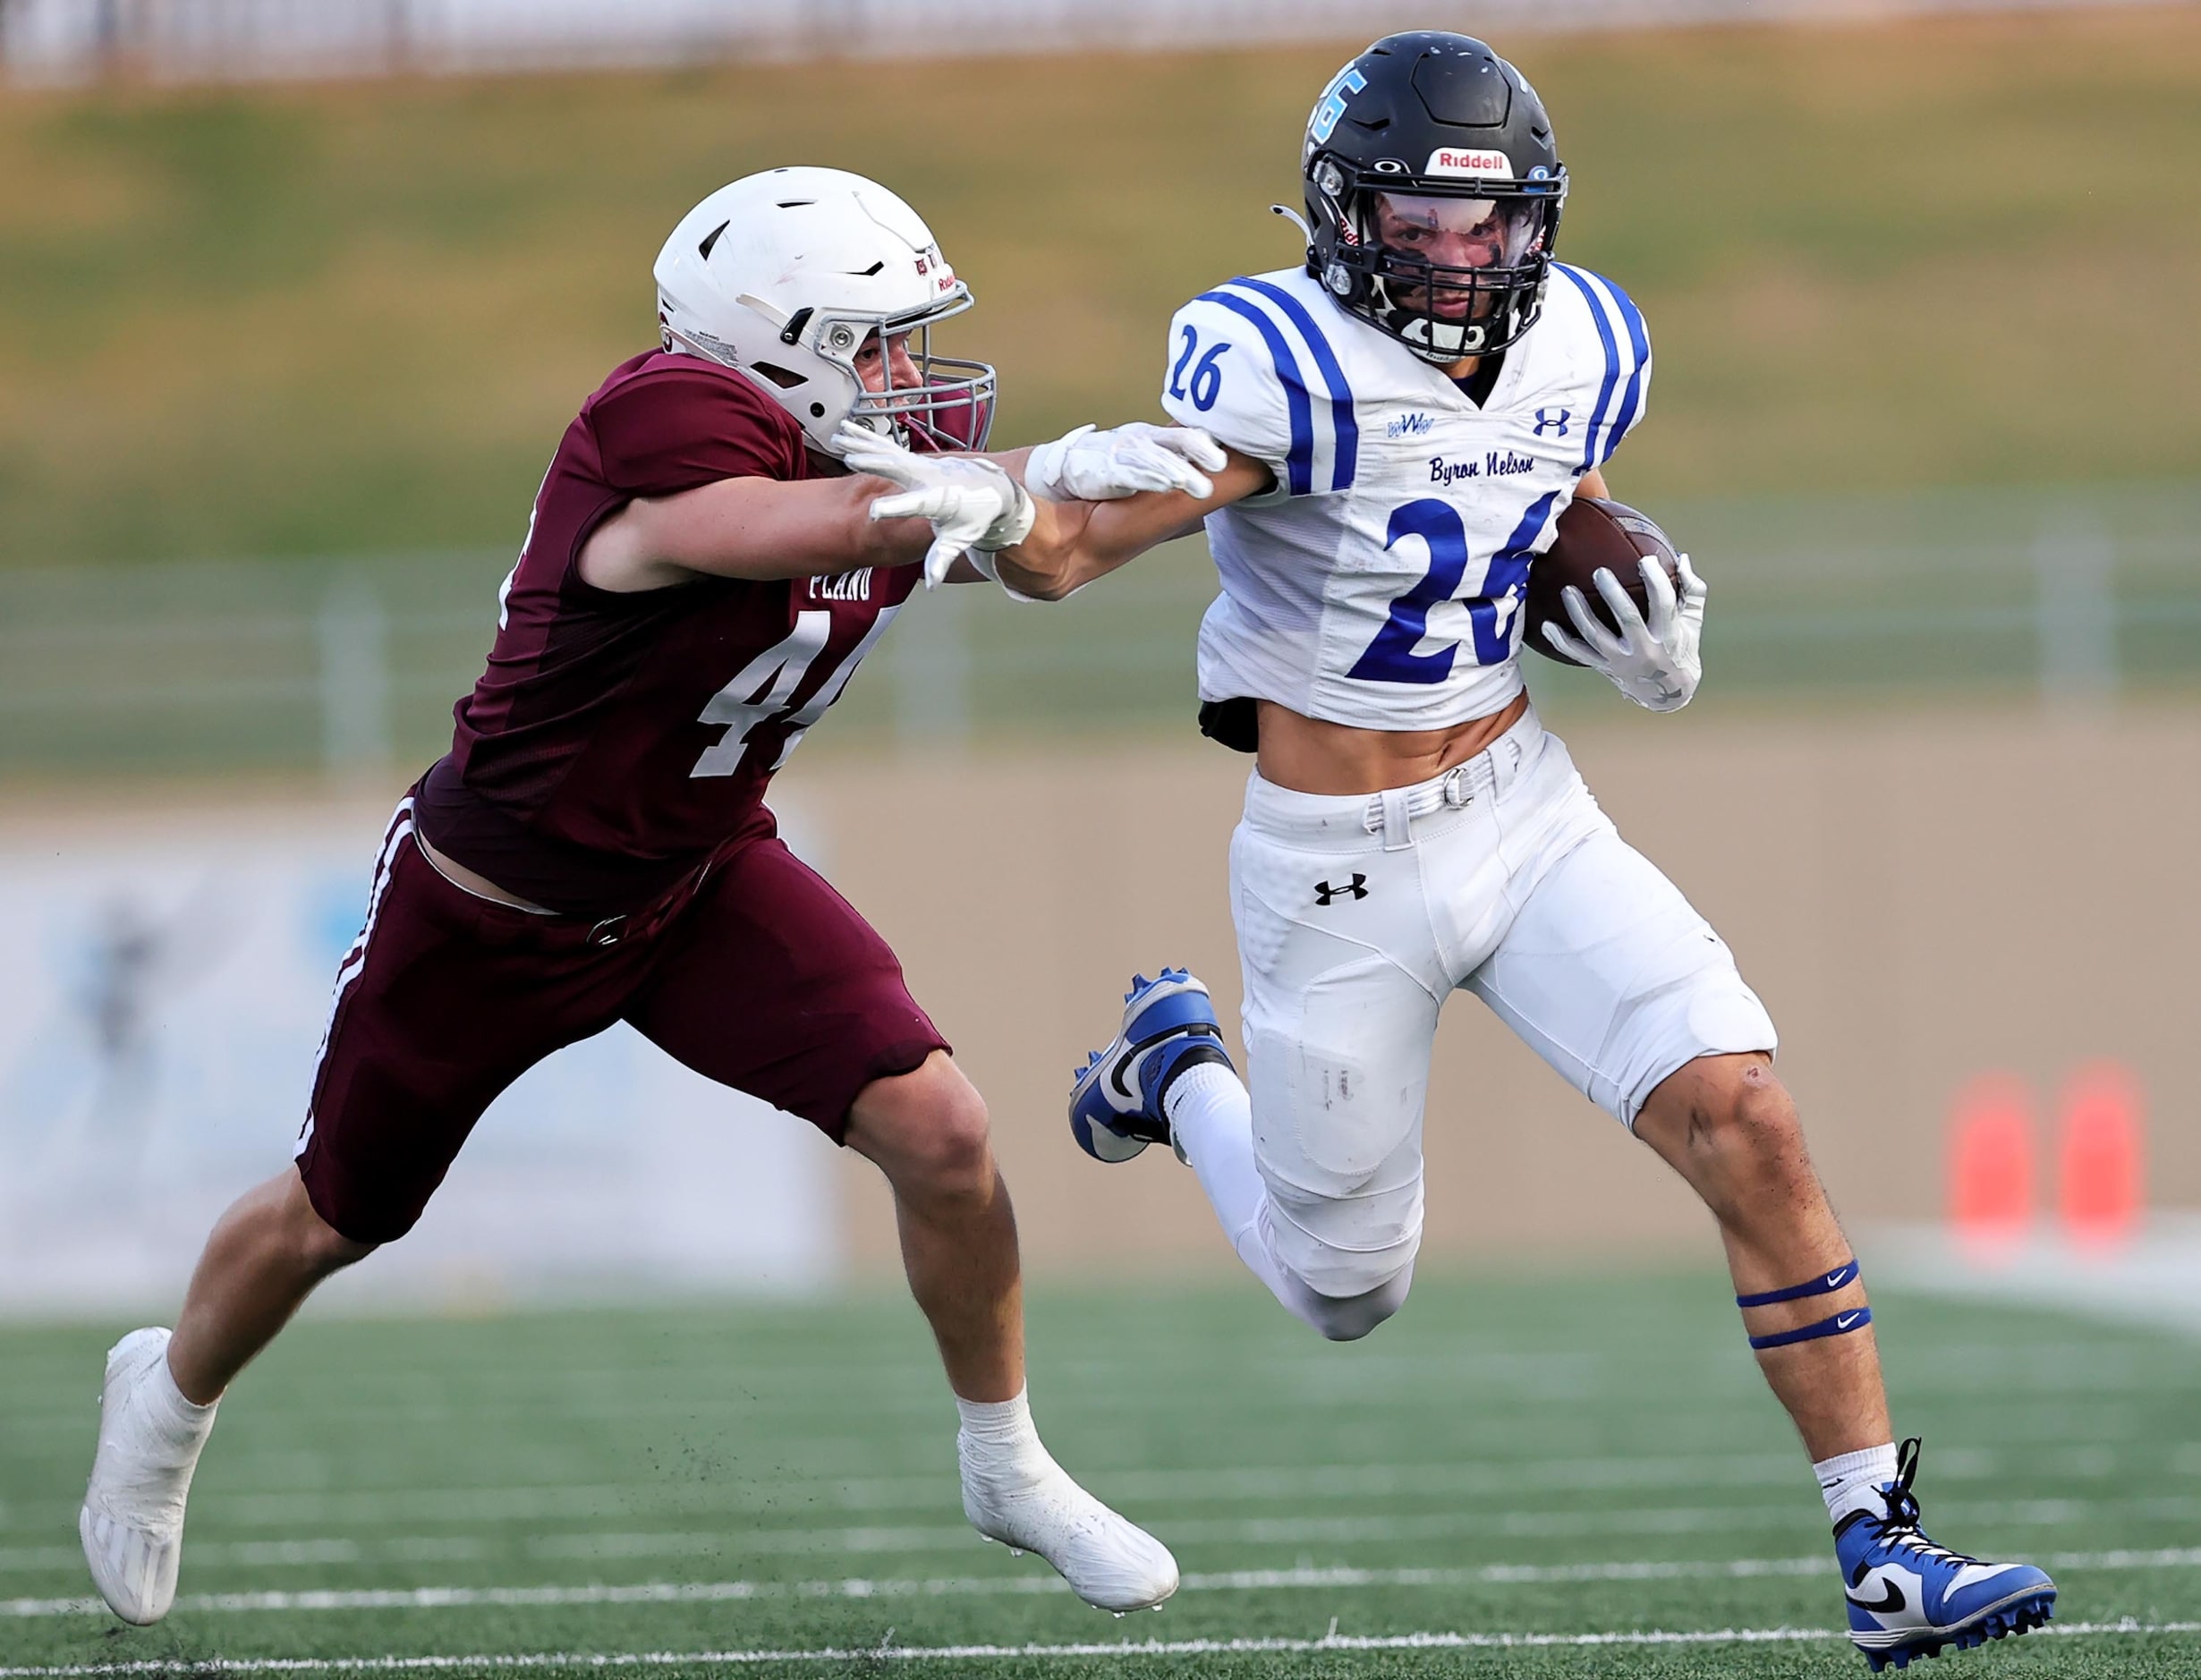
(617, 740)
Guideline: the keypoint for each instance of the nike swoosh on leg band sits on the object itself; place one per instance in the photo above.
(1840, 1324)
(1841, 1277)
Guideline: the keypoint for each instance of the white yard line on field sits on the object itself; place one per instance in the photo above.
(939, 1491)
(1019, 1585)
(301, 1553)
(540, 1501)
(1298, 1530)
(1121, 1650)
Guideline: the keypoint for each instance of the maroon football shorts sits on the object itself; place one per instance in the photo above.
(759, 975)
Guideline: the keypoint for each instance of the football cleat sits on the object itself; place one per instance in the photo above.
(1031, 1505)
(132, 1520)
(1115, 1098)
(1910, 1597)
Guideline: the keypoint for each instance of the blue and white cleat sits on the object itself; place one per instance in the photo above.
(1170, 1024)
(1910, 1597)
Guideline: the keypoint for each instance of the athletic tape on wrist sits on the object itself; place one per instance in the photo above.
(1841, 1277)
(1840, 1324)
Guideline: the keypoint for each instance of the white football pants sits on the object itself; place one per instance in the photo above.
(1358, 916)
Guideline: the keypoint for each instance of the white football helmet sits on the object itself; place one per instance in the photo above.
(784, 276)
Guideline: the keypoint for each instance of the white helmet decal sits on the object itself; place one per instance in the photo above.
(786, 274)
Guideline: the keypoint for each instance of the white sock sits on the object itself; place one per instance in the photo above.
(1851, 1482)
(1211, 1117)
(999, 1435)
(181, 1418)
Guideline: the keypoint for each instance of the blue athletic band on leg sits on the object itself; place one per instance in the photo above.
(1840, 1324)
(1841, 1277)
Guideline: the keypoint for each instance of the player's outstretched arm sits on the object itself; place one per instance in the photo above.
(751, 528)
(979, 507)
(1073, 542)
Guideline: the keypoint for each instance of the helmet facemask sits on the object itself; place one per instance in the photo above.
(948, 406)
(1451, 266)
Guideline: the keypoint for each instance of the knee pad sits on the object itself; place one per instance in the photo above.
(1350, 1318)
(1345, 1247)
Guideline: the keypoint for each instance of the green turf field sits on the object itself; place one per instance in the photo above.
(354, 319)
(1579, 1476)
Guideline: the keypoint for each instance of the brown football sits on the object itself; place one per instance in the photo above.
(1593, 535)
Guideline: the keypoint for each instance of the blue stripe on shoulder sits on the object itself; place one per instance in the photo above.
(1299, 464)
(1345, 462)
(1590, 457)
(1631, 396)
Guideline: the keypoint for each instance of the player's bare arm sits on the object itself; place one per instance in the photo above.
(765, 527)
(751, 528)
(980, 506)
(1071, 543)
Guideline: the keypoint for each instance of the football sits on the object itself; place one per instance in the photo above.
(1593, 535)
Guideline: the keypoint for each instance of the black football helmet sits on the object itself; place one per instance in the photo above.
(1427, 147)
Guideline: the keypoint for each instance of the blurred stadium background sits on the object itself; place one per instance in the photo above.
(284, 360)
(295, 299)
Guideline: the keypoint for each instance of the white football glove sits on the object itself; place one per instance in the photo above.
(1657, 664)
(1095, 466)
(971, 503)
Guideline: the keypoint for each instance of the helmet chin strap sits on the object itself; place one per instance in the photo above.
(879, 425)
(1425, 336)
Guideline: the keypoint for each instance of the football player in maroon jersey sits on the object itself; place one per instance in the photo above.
(701, 577)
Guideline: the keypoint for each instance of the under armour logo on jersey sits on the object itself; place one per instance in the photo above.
(1552, 420)
(1357, 888)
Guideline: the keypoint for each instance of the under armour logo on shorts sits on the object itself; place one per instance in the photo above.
(1357, 886)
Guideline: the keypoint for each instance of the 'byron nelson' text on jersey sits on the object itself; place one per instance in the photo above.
(1380, 583)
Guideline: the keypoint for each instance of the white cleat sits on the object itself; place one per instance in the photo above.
(1034, 1506)
(149, 1439)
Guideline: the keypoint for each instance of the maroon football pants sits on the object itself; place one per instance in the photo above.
(757, 974)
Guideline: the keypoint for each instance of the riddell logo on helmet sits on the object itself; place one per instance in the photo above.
(1448, 160)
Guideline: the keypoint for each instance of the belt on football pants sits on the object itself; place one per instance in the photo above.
(1391, 813)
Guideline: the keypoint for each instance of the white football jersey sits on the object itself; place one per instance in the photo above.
(1380, 583)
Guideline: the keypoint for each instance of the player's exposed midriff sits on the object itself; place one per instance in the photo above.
(1310, 756)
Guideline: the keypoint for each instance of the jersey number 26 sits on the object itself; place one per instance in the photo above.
(1394, 655)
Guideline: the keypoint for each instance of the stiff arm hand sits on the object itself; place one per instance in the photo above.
(1657, 664)
(976, 508)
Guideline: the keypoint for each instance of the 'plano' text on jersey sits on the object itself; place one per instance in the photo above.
(842, 586)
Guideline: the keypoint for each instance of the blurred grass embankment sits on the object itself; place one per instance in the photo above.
(335, 321)
(349, 318)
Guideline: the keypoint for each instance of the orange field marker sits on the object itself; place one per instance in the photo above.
(1991, 1170)
(2100, 1166)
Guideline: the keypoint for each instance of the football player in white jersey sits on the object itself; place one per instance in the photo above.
(1403, 420)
